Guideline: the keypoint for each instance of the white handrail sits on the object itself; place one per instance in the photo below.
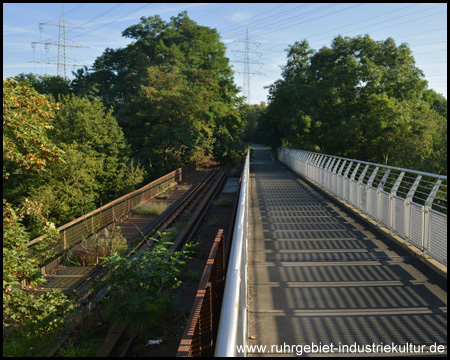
(233, 317)
(410, 203)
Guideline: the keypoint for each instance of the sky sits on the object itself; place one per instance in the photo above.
(265, 29)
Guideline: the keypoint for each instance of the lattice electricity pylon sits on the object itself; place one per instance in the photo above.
(62, 43)
(247, 63)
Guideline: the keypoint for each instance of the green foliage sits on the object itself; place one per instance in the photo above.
(255, 117)
(97, 166)
(88, 349)
(170, 234)
(27, 116)
(46, 84)
(26, 314)
(87, 123)
(150, 209)
(437, 102)
(70, 190)
(361, 99)
(173, 93)
(17, 265)
(96, 247)
(26, 149)
(47, 248)
(140, 287)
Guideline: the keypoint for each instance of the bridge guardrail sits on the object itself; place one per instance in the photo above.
(233, 317)
(198, 337)
(114, 212)
(411, 204)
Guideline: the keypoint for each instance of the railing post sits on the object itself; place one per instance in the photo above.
(347, 180)
(407, 218)
(380, 188)
(362, 191)
(407, 202)
(426, 215)
(392, 199)
(64, 240)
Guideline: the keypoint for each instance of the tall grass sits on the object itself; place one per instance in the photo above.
(150, 209)
(90, 251)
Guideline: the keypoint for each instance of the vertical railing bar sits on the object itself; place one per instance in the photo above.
(320, 169)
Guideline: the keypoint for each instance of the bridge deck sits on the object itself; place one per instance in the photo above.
(317, 276)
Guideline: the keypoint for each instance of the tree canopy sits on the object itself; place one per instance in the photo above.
(27, 117)
(361, 99)
(172, 91)
(97, 166)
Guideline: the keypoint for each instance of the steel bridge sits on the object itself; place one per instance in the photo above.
(336, 257)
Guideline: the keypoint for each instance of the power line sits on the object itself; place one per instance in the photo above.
(75, 8)
(62, 43)
(265, 31)
(114, 20)
(202, 16)
(247, 63)
(102, 14)
(234, 28)
(398, 17)
(270, 25)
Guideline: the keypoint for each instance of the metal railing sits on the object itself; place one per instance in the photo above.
(233, 317)
(411, 204)
(110, 214)
(199, 334)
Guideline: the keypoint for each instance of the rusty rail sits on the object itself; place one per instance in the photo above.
(200, 333)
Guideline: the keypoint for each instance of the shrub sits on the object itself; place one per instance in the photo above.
(140, 287)
(90, 250)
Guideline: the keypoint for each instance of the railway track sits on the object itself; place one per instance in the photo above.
(195, 202)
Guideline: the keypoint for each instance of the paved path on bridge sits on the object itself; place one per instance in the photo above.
(318, 276)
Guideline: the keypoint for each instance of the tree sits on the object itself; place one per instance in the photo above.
(255, 115)
(359, 98)
(27, 116)
(97, 166)
(46, 84)
(171, 88)
(437, 102)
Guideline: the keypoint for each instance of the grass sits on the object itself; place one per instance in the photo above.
(164, 194)
(87, 348)
(150, 209)
(213, 221)
(222, 202)
(186, 214)
(24, 343)
(91, 250)
(171, 233)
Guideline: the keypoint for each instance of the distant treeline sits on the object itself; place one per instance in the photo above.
(360, 99)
